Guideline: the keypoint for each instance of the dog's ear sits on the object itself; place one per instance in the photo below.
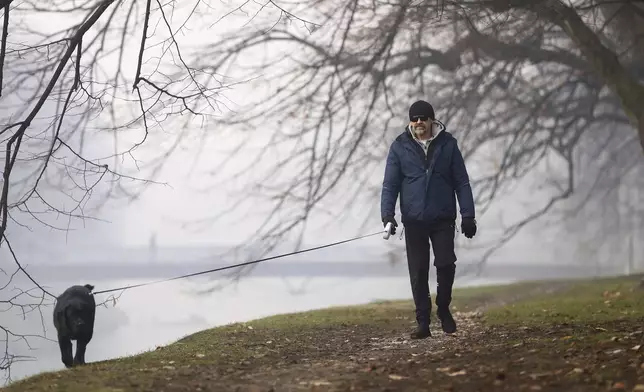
(89, 287)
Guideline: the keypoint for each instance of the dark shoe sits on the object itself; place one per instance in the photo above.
(447, 321)
(421, 332)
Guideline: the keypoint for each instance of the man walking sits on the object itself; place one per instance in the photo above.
(426, 167)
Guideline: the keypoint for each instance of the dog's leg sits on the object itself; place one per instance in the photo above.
(81, 346)
(65, 345)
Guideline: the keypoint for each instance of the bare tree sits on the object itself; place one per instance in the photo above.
(85, 87)
(519, 83)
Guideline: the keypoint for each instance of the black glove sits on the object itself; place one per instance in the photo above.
(394, 224)
(468, 227)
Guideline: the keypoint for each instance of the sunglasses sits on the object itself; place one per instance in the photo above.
(421, 118)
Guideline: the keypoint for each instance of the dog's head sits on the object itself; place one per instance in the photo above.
(76, 315)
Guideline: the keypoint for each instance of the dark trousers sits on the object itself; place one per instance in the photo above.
(417, 241)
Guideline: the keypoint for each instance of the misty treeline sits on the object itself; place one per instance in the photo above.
(549, 91)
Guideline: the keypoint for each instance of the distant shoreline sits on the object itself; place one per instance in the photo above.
(305, 268)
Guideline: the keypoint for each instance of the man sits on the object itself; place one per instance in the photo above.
(426, 167)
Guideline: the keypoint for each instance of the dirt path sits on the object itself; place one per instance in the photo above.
(477, 358)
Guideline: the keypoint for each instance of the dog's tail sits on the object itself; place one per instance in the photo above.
(89, 287)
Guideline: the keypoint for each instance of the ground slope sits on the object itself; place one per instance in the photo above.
(581, 336)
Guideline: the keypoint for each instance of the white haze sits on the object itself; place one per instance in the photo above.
(146, 317)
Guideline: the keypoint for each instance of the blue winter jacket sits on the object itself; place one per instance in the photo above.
(427, 186)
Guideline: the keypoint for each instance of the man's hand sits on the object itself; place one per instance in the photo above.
(468, 227)
(394, 224)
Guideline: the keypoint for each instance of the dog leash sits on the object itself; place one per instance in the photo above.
(123, 288)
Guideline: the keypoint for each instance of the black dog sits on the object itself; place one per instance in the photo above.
(74, 320)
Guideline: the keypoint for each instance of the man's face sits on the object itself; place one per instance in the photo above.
(419, 124)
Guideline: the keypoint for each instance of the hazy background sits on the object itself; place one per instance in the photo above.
(159, 234)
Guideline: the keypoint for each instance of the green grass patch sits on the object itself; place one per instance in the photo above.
(596, 300)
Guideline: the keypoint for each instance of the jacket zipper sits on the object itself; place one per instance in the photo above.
(425, 164)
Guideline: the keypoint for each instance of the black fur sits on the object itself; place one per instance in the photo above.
(74, 320)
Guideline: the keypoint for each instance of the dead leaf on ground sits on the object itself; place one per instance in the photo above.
(396, 377)
(536, 376)
(612, 294)
(315, 383)
(577, 371)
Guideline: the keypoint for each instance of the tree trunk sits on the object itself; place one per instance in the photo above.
(602, 59)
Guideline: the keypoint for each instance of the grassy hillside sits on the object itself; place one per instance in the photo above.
(584, 335)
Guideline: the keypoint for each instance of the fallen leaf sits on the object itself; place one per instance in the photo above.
(636, 348)
(250, 327)
(459, 373)
(199, 355)
(619, 385)
(536, 376)
(319, 383)
(395, 377)
(601, 329)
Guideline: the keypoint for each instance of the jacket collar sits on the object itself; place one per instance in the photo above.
(439, 130)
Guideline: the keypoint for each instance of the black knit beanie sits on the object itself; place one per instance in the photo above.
(421, 108)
